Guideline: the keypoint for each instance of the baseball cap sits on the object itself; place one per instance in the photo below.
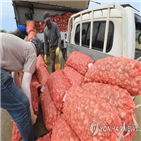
(38, 44)
(46, 16)
(22, 29)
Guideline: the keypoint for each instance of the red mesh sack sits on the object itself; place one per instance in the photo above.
(31, 23)
(58, 85)
(73, 76)
(39, 62)
(41, 23)
(46, 137)
(41, 71)
(30, 28)
(125, 73)
(63, 132)
(31, 35)
(79, 62)
(83, 110)
(15, 133)
(118, 98)
(50, 112)
(36, 23)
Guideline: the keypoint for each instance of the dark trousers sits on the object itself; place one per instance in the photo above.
(64, 53)
(52, 51)
(17, 104)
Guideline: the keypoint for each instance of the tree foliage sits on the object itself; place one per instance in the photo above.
(4, 31)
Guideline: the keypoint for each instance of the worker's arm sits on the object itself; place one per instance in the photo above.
(25, 86)
(58, 36)
(46, 46)
(17, 81)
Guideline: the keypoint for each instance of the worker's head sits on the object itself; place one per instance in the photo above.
(65, 35)
(38, 44)
(47, 19)
(21, 32)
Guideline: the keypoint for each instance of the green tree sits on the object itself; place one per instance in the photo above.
(4, 31)
(12, 32)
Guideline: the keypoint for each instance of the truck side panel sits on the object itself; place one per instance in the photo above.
(95, 55)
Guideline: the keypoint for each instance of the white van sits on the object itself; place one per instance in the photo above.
(109, 30)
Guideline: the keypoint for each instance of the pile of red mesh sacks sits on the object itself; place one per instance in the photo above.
(80, 62)
(60, 20)
(118, 97)
(120, 71)
(58, 85)
(82, 110)
(89, 101)
(50, 112)
(63, 132)
(30, 30)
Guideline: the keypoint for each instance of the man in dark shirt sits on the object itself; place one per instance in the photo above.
(52, 39)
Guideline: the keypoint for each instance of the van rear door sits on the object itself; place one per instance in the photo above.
(138, 37)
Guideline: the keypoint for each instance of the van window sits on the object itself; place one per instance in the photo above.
(86, 34)
(99, 33)
(77, 34)
(138, 36)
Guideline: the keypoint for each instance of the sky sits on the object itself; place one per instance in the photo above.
(8, 23)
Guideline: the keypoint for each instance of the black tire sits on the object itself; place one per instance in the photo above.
(139, 38)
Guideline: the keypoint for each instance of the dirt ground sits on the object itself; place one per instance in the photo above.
(39, 128)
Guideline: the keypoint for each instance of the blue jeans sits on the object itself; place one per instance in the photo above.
(17, 105)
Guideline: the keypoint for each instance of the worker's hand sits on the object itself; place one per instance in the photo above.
(45, 58)
(33, 118)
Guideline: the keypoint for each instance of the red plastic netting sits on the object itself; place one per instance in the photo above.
(73, 76)
(119, 71)
(50, 112)
(79, 62)
(83, 111)
(41, 71)
(58, 85)
(118, 98)
(63, 132)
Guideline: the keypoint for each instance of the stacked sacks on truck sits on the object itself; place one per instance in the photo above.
(63, 132)
(41, 71)
(120, 71)
(34, 101)
(60, 20)
(119, 99)
(86, 113)
(50, 112)
(73, 76)
(79, 61)
(58, 85)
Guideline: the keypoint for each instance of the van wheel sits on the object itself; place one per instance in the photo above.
(139, 38)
